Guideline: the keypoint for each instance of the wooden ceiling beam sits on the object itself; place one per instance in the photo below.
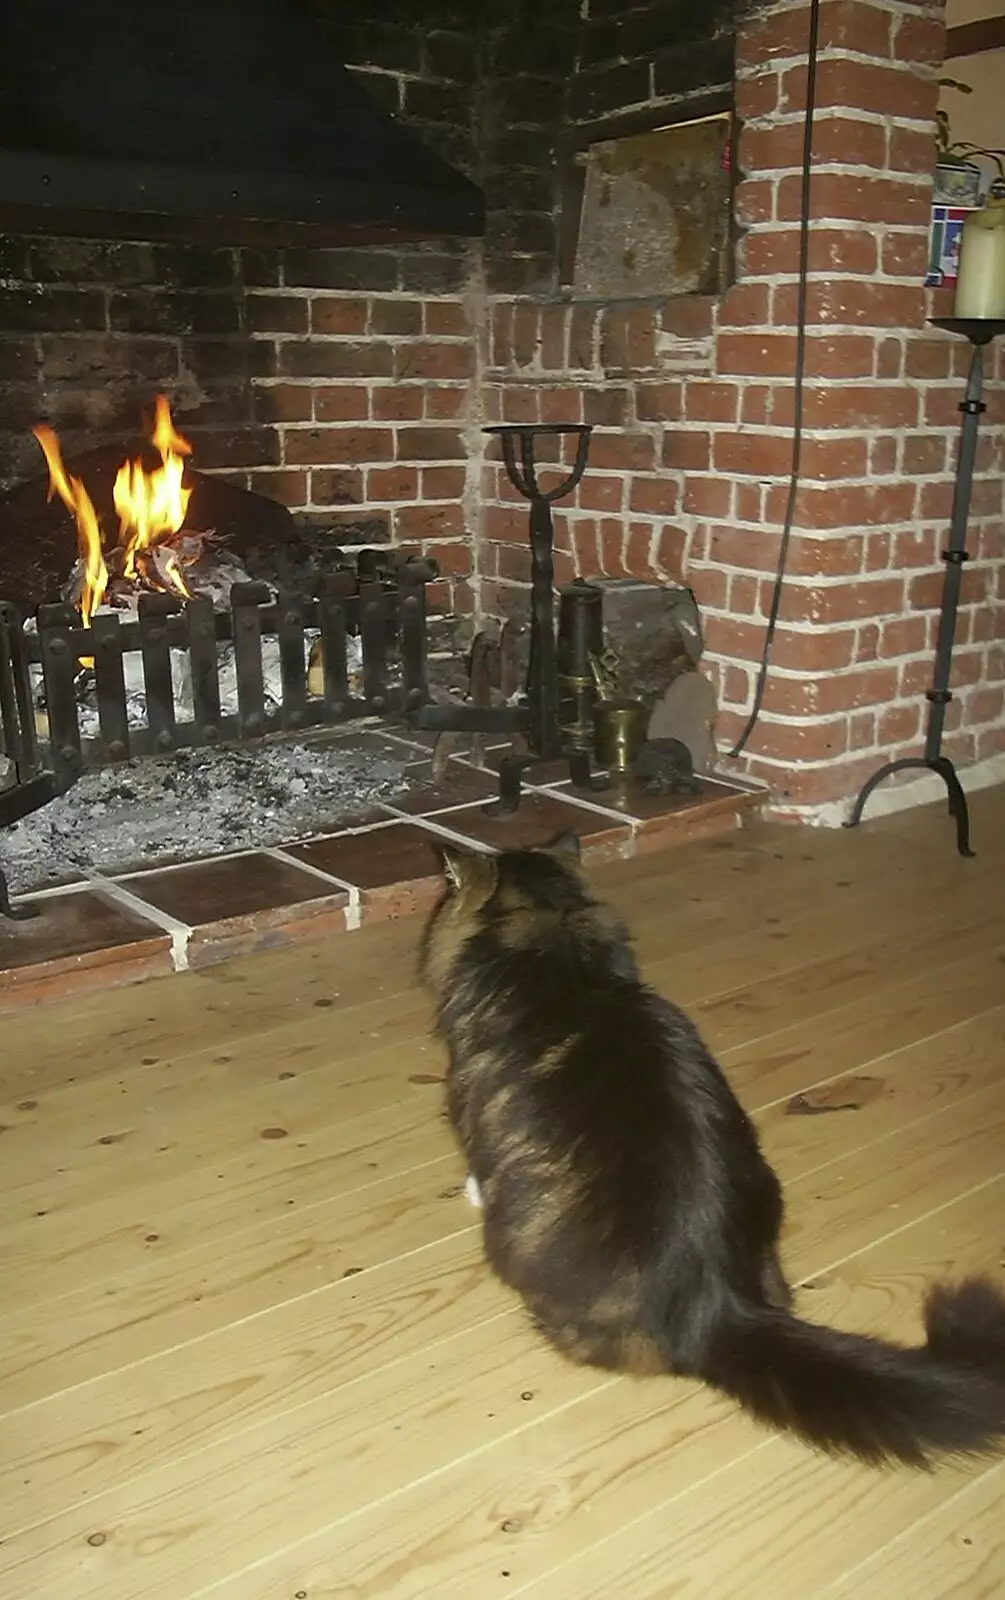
(974, 38)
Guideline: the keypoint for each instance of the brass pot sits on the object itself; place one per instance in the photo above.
(619, 732)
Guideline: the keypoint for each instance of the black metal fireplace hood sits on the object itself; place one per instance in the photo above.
(223, 120)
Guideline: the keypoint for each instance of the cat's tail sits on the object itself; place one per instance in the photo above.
(847, 1393)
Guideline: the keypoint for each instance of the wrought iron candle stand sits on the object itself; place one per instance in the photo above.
(538, 719)
(980, 332)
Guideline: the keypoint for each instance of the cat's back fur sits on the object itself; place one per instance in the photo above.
(625, 1194)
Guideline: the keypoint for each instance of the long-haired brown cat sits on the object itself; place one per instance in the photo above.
(625, 1195)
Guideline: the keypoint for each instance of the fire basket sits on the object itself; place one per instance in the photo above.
(69, 692)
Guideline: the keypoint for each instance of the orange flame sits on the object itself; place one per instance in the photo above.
(76, 498)
(151, 508)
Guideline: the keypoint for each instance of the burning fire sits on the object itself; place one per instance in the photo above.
(75, 496)
(151, 508)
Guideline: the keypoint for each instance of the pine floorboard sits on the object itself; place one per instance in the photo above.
(249, 1349)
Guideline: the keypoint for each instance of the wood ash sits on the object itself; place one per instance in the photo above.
(199, 803)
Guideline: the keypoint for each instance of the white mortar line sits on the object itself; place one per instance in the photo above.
(440, 811)
(179, 866)
(180, 932)
(52, 892)
(402, 738)
(353, 913)
(626, 818)
(432, 826)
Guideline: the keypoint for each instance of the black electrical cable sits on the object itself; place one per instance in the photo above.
(797, 403)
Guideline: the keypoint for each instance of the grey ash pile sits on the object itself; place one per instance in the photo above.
(196, 803)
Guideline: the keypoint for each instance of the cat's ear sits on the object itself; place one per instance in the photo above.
(466, 869)
(567, 847)
(454, 865)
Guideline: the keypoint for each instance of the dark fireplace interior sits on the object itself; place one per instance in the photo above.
(223, 121)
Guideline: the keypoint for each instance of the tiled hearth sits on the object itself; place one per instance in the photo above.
(103, 930)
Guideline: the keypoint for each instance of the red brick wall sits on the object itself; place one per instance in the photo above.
(619, 367)
(350, 408)
(342, 381)
(693, 479)
(368, 399)
(853, 656)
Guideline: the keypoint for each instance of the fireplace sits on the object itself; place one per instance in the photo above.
(164, 640)
(348, 380)
(205, 592)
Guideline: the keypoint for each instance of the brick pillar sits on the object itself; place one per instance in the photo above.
(852, 653)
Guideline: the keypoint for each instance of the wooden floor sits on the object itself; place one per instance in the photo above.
(248, 1347)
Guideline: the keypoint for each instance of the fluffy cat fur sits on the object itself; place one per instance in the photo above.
(625, 1195)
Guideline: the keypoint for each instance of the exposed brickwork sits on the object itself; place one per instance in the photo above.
(694, 406)
(351, 409)
(335, 381)
(860, 610)
(353, 384)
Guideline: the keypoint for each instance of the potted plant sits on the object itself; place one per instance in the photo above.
(957, 181)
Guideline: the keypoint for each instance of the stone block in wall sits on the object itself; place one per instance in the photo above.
(646, 28)
(533, 274)
(437, 269)
(653, 629)
(370, 43)
(352, 531)
(611, 88)
(452, 57)
(372, 271)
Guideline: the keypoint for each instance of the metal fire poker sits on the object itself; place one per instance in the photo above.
(980, 331)
(538, 720)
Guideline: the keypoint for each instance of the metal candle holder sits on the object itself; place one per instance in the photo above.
(980, 331)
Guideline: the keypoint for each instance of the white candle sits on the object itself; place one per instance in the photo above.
(980, 286)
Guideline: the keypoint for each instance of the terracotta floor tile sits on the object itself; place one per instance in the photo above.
(549, 774)
(377, 858)
(627, 798)
(714, 814)
(73, 926)
(399, 900)
(268, 930)
(222, 890)
(461, 784)
(78, 942)
(540, 818)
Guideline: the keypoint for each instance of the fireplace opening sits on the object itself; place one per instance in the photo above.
(167, 637)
